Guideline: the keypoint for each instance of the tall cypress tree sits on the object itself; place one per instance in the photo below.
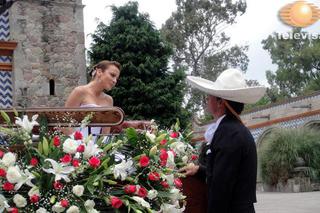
(146, 88)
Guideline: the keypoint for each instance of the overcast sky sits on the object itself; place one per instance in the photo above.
(259, 21)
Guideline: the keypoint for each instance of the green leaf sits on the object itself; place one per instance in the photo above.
(15, 112)
(89, 185)
(105, 163)
(107, 147)
(110, 182)
(100, 140)
(5, 117)
(40, 149)
(177, 125)
(45, 147)
(53, 199)
(36, 174)
(132, 134)
(161, 137)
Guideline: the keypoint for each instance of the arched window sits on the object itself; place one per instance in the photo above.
(51, 87)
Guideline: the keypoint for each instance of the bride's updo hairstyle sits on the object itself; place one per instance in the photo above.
(103, 65)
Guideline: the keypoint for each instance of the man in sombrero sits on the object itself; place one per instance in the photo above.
(231, 157)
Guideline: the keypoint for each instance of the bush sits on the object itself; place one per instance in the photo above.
(280, 151)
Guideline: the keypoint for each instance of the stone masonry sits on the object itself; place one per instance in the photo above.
(50, 36)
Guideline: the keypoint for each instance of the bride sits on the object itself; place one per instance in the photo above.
(104, 76)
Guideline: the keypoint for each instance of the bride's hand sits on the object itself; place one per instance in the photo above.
(190, 169)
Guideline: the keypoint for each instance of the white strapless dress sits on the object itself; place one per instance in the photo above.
(94, 131)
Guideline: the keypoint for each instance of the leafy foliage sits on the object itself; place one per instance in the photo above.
(280, 150)
(146, 88)
(298, 62)
(196, 30)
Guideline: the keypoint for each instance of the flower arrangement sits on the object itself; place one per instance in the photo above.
(137, 171)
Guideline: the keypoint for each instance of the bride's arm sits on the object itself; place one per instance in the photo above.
(75, 98)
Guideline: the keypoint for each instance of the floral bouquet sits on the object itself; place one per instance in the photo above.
(137, 171)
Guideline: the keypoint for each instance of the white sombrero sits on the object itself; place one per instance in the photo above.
(230, 85)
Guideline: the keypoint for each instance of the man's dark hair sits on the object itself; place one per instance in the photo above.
(236, 106)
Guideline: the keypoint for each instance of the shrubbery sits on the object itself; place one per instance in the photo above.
(281, 149)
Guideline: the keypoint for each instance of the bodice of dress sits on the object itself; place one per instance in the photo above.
(94, 131)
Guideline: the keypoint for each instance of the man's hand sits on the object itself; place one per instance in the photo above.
(189, 170)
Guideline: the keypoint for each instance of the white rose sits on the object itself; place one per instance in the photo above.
(176, 195)
(42, 210)
(73, 209)
(14, 174)
(89, 204)
(57, 208)
(185, 159)
(151, 136)
(9, 159)
(70, 146)
(19, 200)
(170, 161)
(178, 147)
(169, 178)
(78, 190)
(152, 194)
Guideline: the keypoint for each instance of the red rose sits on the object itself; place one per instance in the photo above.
(75, 163)
(163, 142)
(130, 189)
(115, 202)
(64, 203)
(56, 140)
(163, 163)
(14, 210)
(194, 157)
(80, 148)
(34, 161)
(94, 162)
(174, 134)
(165, 184)
(3, 173)
(142, 192)
(57, 185)
(163, 155)
(177, 182)
(7, 186)
(66, 158)
(34, 198)
(144, 161)
(154, 176)
(1, 154)
(78, 135)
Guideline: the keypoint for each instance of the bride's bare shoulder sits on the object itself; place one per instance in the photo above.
(80, 90)
(108, 100)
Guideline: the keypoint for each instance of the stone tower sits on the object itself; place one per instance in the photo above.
(48, 59)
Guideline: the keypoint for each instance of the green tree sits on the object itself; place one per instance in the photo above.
(298, 62)
(146, 88)
(196, 30)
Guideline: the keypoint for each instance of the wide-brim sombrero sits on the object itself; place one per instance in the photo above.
(230, 85)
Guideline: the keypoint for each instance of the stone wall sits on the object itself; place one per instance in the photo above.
(50, 36)
(290, 107)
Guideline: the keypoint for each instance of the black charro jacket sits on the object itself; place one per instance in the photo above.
(231, 168)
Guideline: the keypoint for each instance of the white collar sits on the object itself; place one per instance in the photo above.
(212, 128)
